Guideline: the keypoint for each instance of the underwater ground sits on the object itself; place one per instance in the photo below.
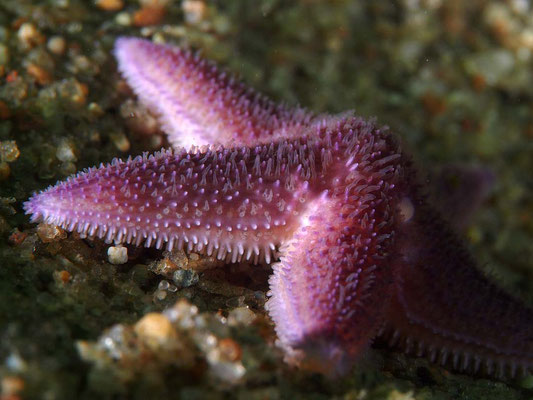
(453, 78)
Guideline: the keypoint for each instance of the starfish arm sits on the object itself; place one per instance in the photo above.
(222, 202)
(458, 190)
(444, 308)
(196, 103)
(329, 290)
(232, 200)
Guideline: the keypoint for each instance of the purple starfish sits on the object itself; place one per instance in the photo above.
(332, 200)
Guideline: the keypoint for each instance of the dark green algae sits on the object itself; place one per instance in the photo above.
(453, 79)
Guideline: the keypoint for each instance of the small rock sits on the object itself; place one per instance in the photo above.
(9, 151)
(160, 295)
(95, 109)
(74, 91)
(66, 151)
(29, 35)
(17, 237)
(57, 45)
(407, 209)
(50, 233)
(182, 313)
(63, 276)
(229, 350)
(241, 315)
(11, 387)
(155, 329)
(194, 10)
(185, 278)
(117, 255)
(120, 141)
(123, 18)
(163, 285)
(82, 63)
(164, 267)
(110, 5)
(150, 15)
(40, 74)
(228, 372)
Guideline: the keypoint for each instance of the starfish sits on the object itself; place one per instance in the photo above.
(331, 201)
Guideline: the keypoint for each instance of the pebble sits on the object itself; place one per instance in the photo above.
(57, 45)
(64, 276)
(9, 151)
(178, 257)
(110, 5)
(117, 254)
(76, 92)
(66, 151)
(17, 237)
(407, 209)
(123, 18)
(120, 141)
(50, 233)
(160, 295)
(29, 35)
(165, 267)
(229, 350)
(11, 387)
(95, 109)
(82, 63)
(194, 10)
(228, 372)
(40, 74)
(241, 316)
(155, 329)
(185, 278)
(183, 314)
(149, 15)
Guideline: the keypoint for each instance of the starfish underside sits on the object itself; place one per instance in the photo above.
(331, 200)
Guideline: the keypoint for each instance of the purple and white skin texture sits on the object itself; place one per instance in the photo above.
(199, 105)
(331, 201)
